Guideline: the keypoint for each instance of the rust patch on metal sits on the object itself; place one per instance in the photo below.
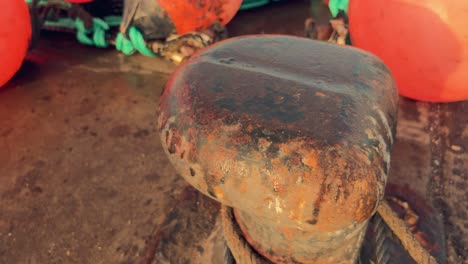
(291, 130)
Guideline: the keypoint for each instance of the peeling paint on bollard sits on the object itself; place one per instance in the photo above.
(294, 134)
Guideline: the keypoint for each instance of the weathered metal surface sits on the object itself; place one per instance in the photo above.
(430, 157)
(299, 141)
(448, 133)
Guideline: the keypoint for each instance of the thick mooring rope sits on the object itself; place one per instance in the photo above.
(244, 254)
(407, 239)
(241, 250)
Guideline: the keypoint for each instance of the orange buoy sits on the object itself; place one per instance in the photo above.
(423, 42)
(15, 35)
(189, 16)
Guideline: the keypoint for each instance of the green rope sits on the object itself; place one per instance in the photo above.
(136, 42)
(113, 21)
(97, 35)
(66, 23)
(336, 6)
(124, 45)
(249, 4)
(45, 2)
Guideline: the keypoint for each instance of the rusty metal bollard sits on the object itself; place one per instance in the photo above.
(294, 134)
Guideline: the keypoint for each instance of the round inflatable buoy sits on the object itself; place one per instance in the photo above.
(423, 42)
(15, 35)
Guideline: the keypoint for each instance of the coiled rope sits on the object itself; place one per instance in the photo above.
(243, 253)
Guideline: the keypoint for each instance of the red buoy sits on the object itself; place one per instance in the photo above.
(189, 16)
(423, 42)
(15, 35)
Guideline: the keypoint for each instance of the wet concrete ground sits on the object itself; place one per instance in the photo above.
(83, 178)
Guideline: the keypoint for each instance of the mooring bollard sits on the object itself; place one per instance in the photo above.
(294, 134)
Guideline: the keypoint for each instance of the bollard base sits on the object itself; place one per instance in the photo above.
(380, 245)
(192, 233)
(282, 243)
